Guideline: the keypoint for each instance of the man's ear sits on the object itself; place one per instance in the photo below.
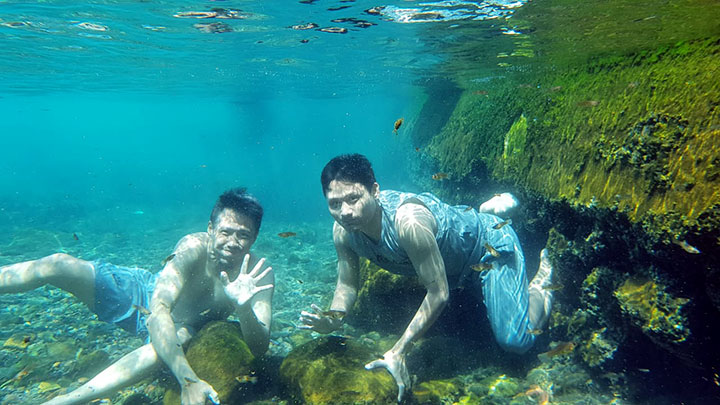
(209, 228)
(376, 190)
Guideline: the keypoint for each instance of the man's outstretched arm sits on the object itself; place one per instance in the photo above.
(346, 288)
(416, 235)
(162, 328)
(251, 292)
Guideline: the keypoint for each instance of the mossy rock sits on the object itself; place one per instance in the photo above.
(436, 392)
(220, 356)
(654, 310)
(330, 370)
(386, 301)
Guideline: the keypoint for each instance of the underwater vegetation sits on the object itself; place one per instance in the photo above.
(615, 161)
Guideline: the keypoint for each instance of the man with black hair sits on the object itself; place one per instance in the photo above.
(193, 288)
(444, 246)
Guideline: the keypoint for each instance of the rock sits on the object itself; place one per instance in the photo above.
(220, 356)
(330, 370)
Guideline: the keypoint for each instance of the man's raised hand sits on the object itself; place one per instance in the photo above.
(245, 286)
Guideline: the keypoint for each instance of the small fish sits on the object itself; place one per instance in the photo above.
(535, 332)
(538, 395)
(205, 312)
(588, 103)
(246, 379)
(286, 234)
(75, 236)
(397, 125)
(503, 223)
(554, 286)
(439, 176)
(334, 314)
(190, 380)
(417, 149)
(561, 349)
(480, 92)
(556, 88)
(203, 166)
(482, 266)
(167, 259)
(492, 250)
(299, 281)
(467, 209)
(687, 247)
(142, 309)
(644, 370)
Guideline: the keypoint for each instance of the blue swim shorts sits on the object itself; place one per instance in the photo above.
(119, 292)
(504, 289)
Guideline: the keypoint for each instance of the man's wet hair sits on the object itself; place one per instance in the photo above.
(353, 167)
(240, 201)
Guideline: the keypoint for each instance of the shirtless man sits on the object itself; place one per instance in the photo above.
(193, 288)
(444, 246)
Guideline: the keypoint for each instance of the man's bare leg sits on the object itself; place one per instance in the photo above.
(71, 274)
(130, 369)
(540, 298)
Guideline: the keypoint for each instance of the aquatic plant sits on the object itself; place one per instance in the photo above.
(646, 119)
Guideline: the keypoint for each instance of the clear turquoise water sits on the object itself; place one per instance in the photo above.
(125, 135)
(151, 113)
(121, 124)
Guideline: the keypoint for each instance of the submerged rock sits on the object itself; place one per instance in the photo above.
(330, 370)
(654, 310)
(386, 301)
(220, 356)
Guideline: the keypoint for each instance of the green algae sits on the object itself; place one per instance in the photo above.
(436, 391)
(330, 370)
(598, 348)
(391, 299)
(635, 133)
(514, 144)
(660, 315)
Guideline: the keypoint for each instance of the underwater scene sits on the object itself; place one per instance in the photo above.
(585, 132)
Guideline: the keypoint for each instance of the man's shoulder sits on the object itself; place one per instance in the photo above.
(196, 240)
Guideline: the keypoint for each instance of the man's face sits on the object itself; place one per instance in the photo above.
(351, 204)
(232, 236)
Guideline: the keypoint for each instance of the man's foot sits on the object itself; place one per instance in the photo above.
(501, 205)
(541, 291)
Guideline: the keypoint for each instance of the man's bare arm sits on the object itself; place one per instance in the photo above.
(348, 269)
(345, 290)
(416, 235)
(416, 232)
(160, 324)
